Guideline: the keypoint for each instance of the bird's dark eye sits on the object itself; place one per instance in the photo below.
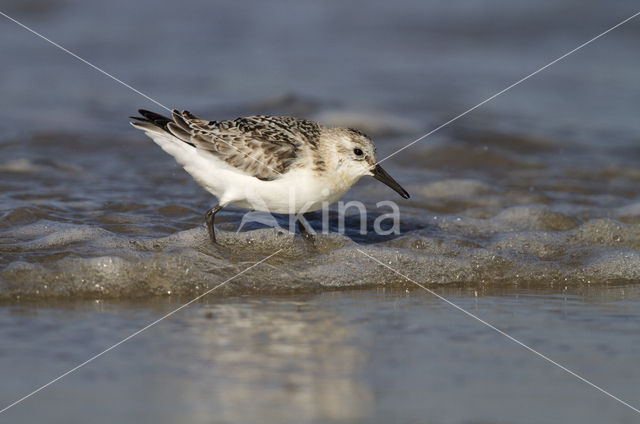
(358, 152)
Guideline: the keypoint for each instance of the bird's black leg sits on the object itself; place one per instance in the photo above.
(209, 216)
(303, 229)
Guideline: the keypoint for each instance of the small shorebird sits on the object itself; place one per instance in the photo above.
(268, 163)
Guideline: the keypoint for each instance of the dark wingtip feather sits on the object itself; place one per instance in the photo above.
(188, 115)
(152, 117)
(176, 126)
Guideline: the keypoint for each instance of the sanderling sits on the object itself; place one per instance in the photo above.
(268, 163)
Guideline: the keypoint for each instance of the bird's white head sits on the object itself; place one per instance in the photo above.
(354, 157)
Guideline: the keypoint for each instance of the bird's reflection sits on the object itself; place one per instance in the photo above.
(275, 361)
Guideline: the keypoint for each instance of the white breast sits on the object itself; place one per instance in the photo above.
(299, 190)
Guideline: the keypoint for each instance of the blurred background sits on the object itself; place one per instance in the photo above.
(425, 61)
(526, 211)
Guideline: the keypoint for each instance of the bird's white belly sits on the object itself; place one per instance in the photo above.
(298, 191)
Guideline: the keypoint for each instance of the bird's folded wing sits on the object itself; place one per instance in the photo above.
(262, 146)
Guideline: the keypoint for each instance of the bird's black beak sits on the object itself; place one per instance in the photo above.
(381, 175)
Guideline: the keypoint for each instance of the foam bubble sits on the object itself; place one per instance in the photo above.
(519, 245)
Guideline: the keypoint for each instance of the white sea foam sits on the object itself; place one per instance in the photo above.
(521, 245)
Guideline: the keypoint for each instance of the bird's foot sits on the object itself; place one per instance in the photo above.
(306, 234)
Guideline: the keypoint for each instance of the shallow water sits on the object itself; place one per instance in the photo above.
(340, 356)
(530, 201)
(485, 209)
(537, 187)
